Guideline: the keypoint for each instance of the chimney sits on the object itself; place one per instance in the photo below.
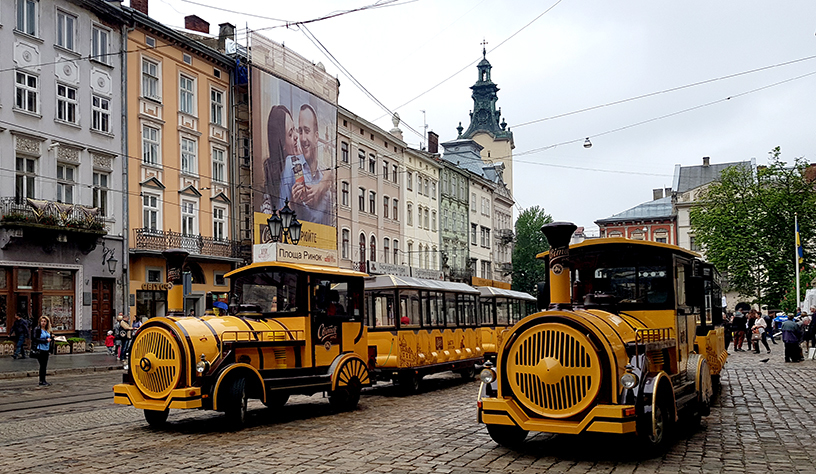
(433, 142)
(706, 161)
(558, 234)
(194, 23)
(225, 30)
(657, 194)
(667, 192)
(140, 5)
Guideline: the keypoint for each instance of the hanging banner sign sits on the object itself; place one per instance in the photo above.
(285, 253)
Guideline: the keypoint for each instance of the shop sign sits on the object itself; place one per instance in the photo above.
(157, 286)
(285, 253)
(379, 268)
(427, 274)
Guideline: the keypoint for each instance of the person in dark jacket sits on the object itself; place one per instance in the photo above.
(20, 331)
(790, 336)
(738, 324)
(41, 342)
(769, 330)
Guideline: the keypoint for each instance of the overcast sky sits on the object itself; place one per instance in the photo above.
(580, 54)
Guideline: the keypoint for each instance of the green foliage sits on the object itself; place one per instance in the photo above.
(788, 303)
(745, 224)
(72, 340)
(527, 271)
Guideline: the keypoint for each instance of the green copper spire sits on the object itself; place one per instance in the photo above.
(485, 118)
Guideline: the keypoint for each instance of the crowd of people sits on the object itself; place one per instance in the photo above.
(746, 327)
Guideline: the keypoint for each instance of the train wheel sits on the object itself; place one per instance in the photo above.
(409, 382)
(345, 398)
(467, 374)
(507, 436)
(656, 429)
(155, 418)
(276, 400)
(236, 403)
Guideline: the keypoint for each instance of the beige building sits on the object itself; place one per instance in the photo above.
(421, 223)
(370, 169)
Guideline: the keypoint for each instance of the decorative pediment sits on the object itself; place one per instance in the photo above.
(153, 182)
(190, 191)
(221, 197)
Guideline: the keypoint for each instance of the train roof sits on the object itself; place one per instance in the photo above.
(493, 291)
(297, 266)
(621, 241)
(381, 282)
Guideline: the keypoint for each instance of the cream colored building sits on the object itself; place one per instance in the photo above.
(421, 223)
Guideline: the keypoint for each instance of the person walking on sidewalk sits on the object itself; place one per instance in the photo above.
(738, 325)
(126, 331)
(21, 331)
(41, 343)
(769, 330)
(758, 331)
(790, 336)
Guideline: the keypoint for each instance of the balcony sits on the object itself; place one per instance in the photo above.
(157, 240)
(50, 215)
(505, 236)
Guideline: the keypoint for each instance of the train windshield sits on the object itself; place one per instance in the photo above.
(272, 291)
(639, 281)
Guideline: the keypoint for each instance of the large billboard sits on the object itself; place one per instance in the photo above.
(294, 151)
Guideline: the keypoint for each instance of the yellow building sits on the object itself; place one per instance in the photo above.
(179, 142)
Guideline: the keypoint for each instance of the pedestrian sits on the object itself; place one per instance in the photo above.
(110, 343)
(126, 331)
(790, 336)
(21, 331)
(41, 345)
(727, 329)
(117, 333)
(738, 324)
(758, 330)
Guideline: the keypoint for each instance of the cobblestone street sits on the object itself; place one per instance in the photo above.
(762, 422)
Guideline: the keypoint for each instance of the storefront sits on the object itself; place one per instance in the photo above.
(33, 291)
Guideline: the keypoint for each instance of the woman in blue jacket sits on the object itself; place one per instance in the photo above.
(41, 341)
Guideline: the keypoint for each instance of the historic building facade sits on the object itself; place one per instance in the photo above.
(181, 182)
(421, 183)
(62, 225)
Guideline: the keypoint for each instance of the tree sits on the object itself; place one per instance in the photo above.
(745, 224)
(527, 271)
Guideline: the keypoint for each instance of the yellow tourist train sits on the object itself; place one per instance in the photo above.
(302, 328)
(631, 342)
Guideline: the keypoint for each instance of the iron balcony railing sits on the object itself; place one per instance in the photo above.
(34, 212)
(150, 239)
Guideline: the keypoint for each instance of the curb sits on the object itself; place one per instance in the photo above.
(76, 370)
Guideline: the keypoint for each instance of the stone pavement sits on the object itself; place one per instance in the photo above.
(763, 421)
(59, 364)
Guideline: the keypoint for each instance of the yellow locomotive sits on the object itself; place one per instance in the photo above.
(631, 341)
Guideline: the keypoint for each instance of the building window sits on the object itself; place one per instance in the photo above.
(362, 247)
(486, 206)
(27, 91)
(361, 199)
(386, 249)
(419, 183)
(66, 30)
(445, 219)
(27, 16)
(485, 237)
(410, 253)
(150, 212)
(395, 208)
(396, 252)
(372, 202)
(433, 189)
(693, 244)
(344, 188)
(433, 221)
(219, 223)
(427, 185)
(372, 164)
(187, 94)
(100, 114)
(217, 107)
(373, 251)
(344, 152)
(385, 206)
(100, 192)
(472, 202)
(188, 156)
(150, 79)
(344, 249)
(100, 45)
(66, 104)
(188, 218)
(473, 231)
(361, 156)
(394, 173)
(219, 172)
(385, 170)
(434, 252)
(65, 183)
(26, 174)
(419, 255)
(486, 272)
(150, 145)
(427, 220)
(154, 276)
(409, 176)
(410, 216)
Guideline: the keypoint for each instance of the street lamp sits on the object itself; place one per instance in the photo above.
(112, 264)
(284, 225)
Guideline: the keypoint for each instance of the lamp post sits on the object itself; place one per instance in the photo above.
(283, 224)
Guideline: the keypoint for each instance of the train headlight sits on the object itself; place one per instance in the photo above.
(201, 366)
(487, 376)
(629, 380)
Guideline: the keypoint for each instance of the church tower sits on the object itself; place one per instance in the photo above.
(485, 127)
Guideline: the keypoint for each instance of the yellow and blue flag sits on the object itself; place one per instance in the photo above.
(799, 250)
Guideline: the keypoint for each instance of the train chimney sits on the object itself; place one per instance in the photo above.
(558, 235)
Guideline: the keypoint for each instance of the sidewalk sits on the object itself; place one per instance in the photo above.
(59, 364)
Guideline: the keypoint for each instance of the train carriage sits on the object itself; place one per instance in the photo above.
(631, 341)
(499, 309)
